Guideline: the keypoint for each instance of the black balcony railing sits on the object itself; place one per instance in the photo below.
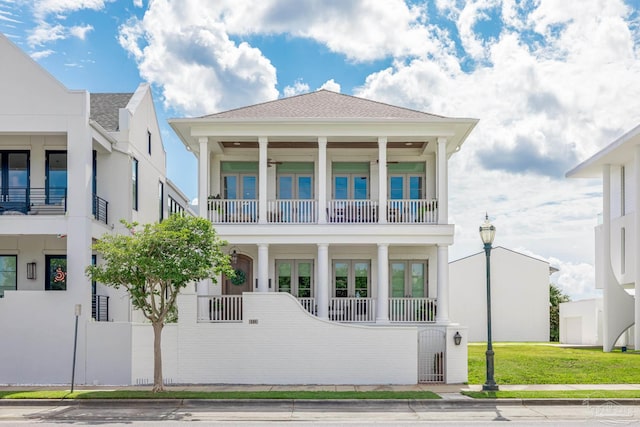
(33, 201)
(100, 308)
(100, 209)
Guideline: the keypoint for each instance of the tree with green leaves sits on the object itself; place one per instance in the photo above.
(154, 263)
(556, 296)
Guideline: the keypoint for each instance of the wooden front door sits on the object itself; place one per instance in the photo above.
(236, 286)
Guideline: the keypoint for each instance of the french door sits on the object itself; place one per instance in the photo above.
(408, 279)
(351, 278)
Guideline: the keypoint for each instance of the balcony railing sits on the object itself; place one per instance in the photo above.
(100, 308)
(353, 211)
(100, 209)
(220, 308)
(309, 304)
(412, 310)
(412, 211)
(338, 211)
(292, 211)
(232, 211)
(33, 201)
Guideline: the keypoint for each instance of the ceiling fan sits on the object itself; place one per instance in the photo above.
(271, 162)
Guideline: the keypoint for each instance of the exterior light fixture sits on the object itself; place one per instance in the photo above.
(487, 233)
(457, 338)
(31, 270)
(234, 257)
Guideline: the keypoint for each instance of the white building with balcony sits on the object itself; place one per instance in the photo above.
(72, 164)
(337, 205)
(617, 258)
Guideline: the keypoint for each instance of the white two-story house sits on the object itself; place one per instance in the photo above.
(340, 204)
(72, 164)
(617, 258)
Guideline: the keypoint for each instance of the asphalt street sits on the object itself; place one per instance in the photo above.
(303, 412)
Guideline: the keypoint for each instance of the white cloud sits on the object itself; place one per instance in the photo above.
(138, 3)
(331, 85)
(181, 48)
(297, 88)
(42, 54)
(46, 33)
(42, 8)
(80, 31)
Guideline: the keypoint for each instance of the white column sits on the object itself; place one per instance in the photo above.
(322, 180)
(203, 177)
(382, 300)
(262, 181)
(606, 250)
(322, 283)
(263, 267)
(442, 312)
(636, 337)
(382, 179)
(443, 194)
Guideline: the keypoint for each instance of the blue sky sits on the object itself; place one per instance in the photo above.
(551, 82)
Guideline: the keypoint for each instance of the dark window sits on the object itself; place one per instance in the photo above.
(56, 274)
(149, 142)
(161, 201)
(134, 182)
(56, 171)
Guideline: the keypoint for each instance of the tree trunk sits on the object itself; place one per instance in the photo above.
(158, 384)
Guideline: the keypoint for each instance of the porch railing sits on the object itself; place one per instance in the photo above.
(232, 211)
(352, 310)
(33, 201)
(100, 308)
(299, 211)
(352, 211)
(412, 310)
(220, 308)
(412, 211)
(309, 304)
(100, 209)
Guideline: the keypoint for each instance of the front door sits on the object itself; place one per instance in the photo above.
(243, 280)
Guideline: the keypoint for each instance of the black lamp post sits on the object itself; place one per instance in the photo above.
(487, 233)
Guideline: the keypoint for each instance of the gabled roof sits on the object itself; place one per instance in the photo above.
(105, 109)
(323, 104)
(618, 152)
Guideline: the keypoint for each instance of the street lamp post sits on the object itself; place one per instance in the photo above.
(487, 233)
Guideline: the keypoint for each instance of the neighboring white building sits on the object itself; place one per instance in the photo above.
(617, 258)
(519, 296)
(72, 164)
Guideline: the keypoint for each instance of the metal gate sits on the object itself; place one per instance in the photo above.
(431, 355)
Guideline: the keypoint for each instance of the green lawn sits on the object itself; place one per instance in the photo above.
(517, 363)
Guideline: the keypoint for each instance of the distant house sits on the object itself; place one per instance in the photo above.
(617, 254)
(581, 323)
(519, 296)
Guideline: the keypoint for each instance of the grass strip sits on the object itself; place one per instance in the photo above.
(555, 394)
(519, 363)
(218, 395)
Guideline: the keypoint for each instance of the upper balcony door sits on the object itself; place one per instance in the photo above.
(350, 193)
(56, 177)
(240, 190)
(406, 184)
(14, 181)
(294, 192)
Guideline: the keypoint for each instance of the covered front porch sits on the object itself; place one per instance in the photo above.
(365, 283)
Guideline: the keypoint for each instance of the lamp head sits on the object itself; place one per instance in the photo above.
(487, 231)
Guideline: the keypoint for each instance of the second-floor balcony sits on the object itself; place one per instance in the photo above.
(33, 201)
(279, 211)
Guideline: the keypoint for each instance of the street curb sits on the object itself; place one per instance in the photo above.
(380, 403)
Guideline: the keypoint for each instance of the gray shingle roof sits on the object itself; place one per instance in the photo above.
(322, 104)
(105, 106)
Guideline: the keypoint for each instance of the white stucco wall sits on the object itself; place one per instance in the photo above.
(581, 322)
(519, 296)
